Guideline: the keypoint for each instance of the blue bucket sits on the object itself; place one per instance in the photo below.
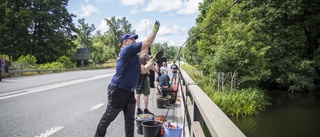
(170, 132)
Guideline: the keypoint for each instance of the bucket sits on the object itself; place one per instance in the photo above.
(161, 102)
(166, 98)
(151, 128)
(172, 132)
(141, 118)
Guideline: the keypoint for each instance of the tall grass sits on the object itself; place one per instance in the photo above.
(241, 102)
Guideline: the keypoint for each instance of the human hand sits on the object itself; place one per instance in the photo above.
(156, 26)
(158, 55)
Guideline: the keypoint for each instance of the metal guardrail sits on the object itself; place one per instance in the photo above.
(201, 111)
(20, 71)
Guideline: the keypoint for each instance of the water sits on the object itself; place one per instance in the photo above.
(291, 115)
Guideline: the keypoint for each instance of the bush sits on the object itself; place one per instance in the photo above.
(28, 61)
(66, 62)
(241, 102)
(52, 65)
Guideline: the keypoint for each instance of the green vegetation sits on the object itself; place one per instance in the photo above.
(268, 44)
(240, 102)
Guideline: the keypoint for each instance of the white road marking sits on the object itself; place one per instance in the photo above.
(48, 87)
(96, 106)
(50, 132)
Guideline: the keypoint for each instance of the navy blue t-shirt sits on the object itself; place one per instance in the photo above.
(164, 80)
(127, 67)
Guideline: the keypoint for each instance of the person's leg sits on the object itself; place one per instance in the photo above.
(138, 96)
(117, 98)
(6, 72)
(128, 112)
(151, 78)
(109, 115)
(146, 94)
(174, 76)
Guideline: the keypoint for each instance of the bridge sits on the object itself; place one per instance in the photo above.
(71, 104)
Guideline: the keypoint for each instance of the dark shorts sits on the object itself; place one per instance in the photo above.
(146, 88)
(174, 75)
(118, 98)
(6, 70)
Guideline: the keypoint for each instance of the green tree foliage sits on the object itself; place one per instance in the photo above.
(171, 52)
(292, 30)
(27, 61)
(117, 27)
(273, 42)
(84, 33)
(52, 65)
(231, 44)
(41, 28)
(156, 47)
(100, 51)
(191, 52)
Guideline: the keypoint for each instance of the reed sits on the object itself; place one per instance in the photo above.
(241, 102)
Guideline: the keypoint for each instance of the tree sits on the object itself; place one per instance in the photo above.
(292, 35)
(101, 52)
(117, 27)
(41, 28)
(84, 34)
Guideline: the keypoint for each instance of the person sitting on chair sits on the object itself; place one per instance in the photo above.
(165, 88)
(164, 80)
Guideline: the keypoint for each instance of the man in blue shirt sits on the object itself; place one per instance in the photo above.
(120, 91)
(174, 68)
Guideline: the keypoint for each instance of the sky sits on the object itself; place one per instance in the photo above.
(175, 16)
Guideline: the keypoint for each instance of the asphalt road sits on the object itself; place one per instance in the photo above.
(68, 104)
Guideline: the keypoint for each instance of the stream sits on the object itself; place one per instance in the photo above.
(290, 115)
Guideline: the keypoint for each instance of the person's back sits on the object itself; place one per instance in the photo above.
(164, 80)
(7, 63)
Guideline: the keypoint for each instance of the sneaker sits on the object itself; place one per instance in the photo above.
(139, 111)
(146, 111)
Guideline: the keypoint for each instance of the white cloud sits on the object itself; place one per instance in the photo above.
(171, 30)
(103, 26)
(164, 5)
(172, 34)
(100, 1)
(132, 2)
(189, 7)
(87, 10)
(143, 26)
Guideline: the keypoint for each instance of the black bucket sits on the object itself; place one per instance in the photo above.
(139, 126)
(151, 128)
(161, 102)
(141, 118)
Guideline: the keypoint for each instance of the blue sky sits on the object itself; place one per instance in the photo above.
(175, 16)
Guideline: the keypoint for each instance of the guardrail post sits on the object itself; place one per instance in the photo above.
(197, 115)
(20, 73)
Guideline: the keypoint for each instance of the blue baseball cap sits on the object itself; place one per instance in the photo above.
(128, 36)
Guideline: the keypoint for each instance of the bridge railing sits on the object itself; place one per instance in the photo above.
(200, 112)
